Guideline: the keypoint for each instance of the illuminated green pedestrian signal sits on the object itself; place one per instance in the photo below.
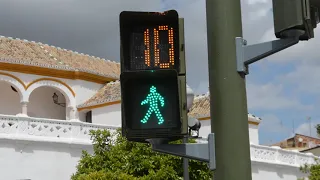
(150, 105)
(153, 99)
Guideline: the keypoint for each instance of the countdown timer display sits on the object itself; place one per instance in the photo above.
(152, 48)
(150, 40)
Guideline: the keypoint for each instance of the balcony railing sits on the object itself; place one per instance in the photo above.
(71, 132)
(47, 130)
(280, 156)
(276, 155)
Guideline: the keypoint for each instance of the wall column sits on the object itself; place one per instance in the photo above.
(71, 113)
(24, 107)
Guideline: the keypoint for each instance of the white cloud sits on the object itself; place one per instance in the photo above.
(271, 97)
(305, 77)
(272, 124)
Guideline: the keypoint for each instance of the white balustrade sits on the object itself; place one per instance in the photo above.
(61, 131)
(276, 155)
(40, 129)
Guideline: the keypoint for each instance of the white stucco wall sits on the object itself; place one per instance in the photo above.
(9, 100)
(85, 90)
(266, 171)
(39, 160)
(109, 115)
(82, 115)
(206, 129)
(254, 133)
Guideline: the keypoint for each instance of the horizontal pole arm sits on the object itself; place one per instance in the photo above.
(255, 52)
(204, 152)
(194, 151)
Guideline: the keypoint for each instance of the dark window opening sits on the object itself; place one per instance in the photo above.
(13, 89)
(89, 117)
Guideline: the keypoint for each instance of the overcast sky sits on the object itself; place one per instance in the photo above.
(281, 88)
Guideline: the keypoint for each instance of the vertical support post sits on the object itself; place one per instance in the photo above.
(229, 114)
(24, 105)
(185, 163)
(71, 113)
(183, 70)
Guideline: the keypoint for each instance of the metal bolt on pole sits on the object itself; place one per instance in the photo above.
(229, 114)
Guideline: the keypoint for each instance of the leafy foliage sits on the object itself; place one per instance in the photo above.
(115, 158)
(312, 170)
(318, 129)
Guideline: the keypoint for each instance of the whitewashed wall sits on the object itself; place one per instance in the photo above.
(85, 90)
(42, 149)
(254, 133)
(206, 129)
(9, 100)
(266, 171)
(108, 115)
(39, 160)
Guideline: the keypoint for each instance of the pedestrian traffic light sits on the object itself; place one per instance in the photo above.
(153, 87)
(295, 18)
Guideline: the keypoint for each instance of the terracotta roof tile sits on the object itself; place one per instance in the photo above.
(200, 107)
(26, 52)
(109, 93)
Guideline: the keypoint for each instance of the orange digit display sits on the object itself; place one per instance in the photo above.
(147, 50)
(149, 41)
(157, 50)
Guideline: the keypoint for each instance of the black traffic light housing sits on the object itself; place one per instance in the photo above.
(295, 18)
(153, 86)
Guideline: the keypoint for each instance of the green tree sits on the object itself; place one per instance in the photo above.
(115, 158)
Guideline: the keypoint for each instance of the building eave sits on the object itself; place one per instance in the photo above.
(58, 73)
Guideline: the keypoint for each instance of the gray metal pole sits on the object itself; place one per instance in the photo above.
(185, 163)
(229, 113)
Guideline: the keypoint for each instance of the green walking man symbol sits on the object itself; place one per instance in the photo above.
(153, 99)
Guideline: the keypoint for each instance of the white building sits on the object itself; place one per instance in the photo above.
(51, 98)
